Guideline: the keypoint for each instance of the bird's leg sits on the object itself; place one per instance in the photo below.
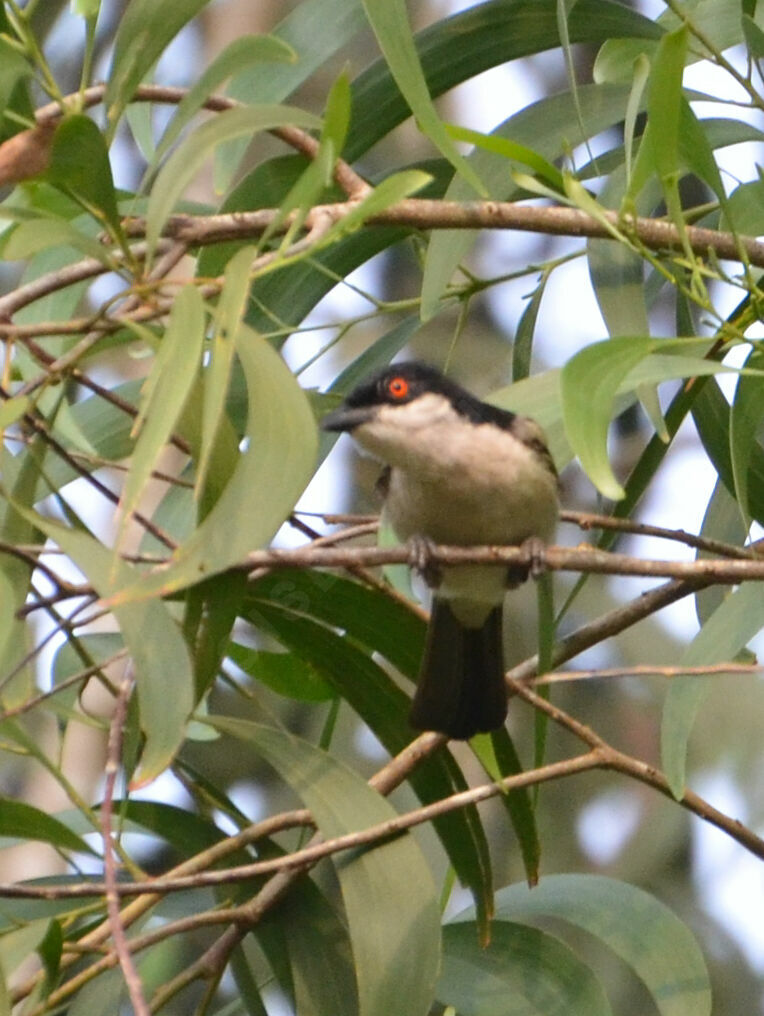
(421, 560)
(535, 550)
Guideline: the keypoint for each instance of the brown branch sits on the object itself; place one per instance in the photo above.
(121, 944)
(344, 174)
(433, 214)
(589, 560)
(317, 850)
(612, 758)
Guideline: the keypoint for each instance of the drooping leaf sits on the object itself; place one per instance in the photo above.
(144, 31)
(272, 470)
(397, 954)
(389, 20)
(640, 929)
(165, 391)
(286, 607)
(521, 971)
(239, 55)
(589, 382)
(738, 618)
(745, 426)
(188, 157)
(160, 658)
(25, 822)
(230, 309)
(79, 165)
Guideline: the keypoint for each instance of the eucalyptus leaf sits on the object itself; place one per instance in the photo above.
(397, 954)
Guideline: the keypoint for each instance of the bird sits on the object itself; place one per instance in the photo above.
(457, 471)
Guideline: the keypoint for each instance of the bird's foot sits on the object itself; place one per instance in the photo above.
(535, 551)
(421, 560)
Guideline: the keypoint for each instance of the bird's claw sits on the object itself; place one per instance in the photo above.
(535, 552)
(420, 559)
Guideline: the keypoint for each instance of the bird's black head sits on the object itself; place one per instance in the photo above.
(404, 382)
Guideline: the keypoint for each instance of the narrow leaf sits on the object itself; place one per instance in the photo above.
(589, 382)
(22, 821)
(79, 166)
(271, 473)
(732, 625)
(175, 368)
(230, 309)
(163, 670)
(646, 935)
(396, 954)
(242, 53)
(145, 29)
(389, 20)
(521, 971)
(188, 157)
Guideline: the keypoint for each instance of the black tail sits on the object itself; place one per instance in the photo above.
(461, 688)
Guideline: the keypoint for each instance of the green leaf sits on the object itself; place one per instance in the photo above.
(316, 942)
(284, 673)
(13, 409)
(242, 53)
(386, 193)
(15, 71)
(389, 20)
(188, 157)
(165, 391)
(616, 271)
(315, 30)
(79, 166)
(643, 932)
(217, 374)
(212, 608)
(504, 762)
(745, 425)
(510, 150)
(16, 947)
(722, 521)
(522, 347)
(156, 646)
(711, 415)
(396, 954)
(145, 29)
(589, 382)
(544, 125)
(738, 618)
(24, 822)
(286, 607)
(754, 37)
(86, 8)
(269, 476)
(486, 35)
(521, 971)
(50, 950)
(29, 238)
(744, 209)
(20, 474)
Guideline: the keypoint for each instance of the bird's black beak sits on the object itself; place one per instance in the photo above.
(347, 419)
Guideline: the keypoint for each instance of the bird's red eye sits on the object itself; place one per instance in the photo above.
(398, 387)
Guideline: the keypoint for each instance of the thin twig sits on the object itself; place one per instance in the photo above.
(590, 520)
(121, 944)
(645, 670)
(612, 758)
